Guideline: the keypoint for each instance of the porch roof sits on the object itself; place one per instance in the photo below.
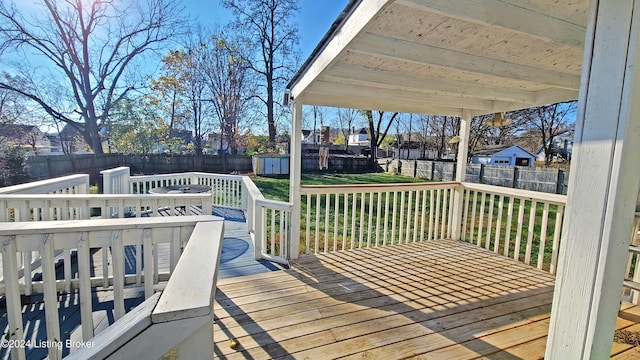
(440, 57)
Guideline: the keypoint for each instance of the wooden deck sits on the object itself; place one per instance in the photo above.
(237, 260)
(436, 300)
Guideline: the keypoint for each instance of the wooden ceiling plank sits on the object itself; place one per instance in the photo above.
(409, 82)
(397, 49)
(507, 16)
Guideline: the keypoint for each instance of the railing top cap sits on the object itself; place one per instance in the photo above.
(198, 265)
(118, 169)
(100, 196)
(391, 185)
(185, 174)
(67, 226)
(48, 185)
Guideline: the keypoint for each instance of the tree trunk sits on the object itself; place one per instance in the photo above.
(270, 115)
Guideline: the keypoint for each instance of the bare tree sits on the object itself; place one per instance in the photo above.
(225, 71)
(267, 25)
(168, 91)
(376, 132)
(442, 128)
(549, 121)
(12, 105)
(346, 120)
(92, 47)
(197, 94)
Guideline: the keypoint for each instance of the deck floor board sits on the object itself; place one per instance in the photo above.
(437, 300)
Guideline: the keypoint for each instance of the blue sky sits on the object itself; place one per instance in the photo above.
(314, 19)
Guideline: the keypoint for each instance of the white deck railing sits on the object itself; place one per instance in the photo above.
(524, 225)
(171, 320)
(357, 216)
(521, 224)
(111, 236)
(226, 190)
(115, 181)
(15, 208)
(59, 207)
(267, 220)
(72, 184)
(273, 230)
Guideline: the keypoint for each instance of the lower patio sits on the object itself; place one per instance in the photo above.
(437, 299)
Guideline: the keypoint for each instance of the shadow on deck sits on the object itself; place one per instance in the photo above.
(237, 260)
(433, 300)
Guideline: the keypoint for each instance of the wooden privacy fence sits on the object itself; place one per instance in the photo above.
(549, 180)
(48, 166)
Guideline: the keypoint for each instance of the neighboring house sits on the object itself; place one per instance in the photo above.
(360, 137)
(504, 155)
(561, 149)
(55, 144)
(311, 136)
(185, 135)
(71, 140)
(315, 136)
(28, 137)
(213, 144)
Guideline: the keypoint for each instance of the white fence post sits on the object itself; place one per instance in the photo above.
(116, 181)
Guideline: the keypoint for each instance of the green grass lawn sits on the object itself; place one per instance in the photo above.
(278, 188)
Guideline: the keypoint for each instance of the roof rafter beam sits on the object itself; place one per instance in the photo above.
(508, 16)
(352, 74)
(397, 49)
(551, 96)
(384, 95)
(366, 103)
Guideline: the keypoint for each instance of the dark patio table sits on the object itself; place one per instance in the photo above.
(180, 189)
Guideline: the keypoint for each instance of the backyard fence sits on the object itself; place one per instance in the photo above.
(50, 166)
(526, 178)
(46, 167)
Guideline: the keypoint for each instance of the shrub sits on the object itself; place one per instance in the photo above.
(13, 165)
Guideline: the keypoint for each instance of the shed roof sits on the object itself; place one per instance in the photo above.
(442, 56)
(493, 150)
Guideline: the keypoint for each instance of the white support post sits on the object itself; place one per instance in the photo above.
(12, 297)
(461, 170)
(106, 182)
(603, 186)
(259, 233)
(295, 166)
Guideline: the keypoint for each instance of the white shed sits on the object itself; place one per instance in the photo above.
(504, 155)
